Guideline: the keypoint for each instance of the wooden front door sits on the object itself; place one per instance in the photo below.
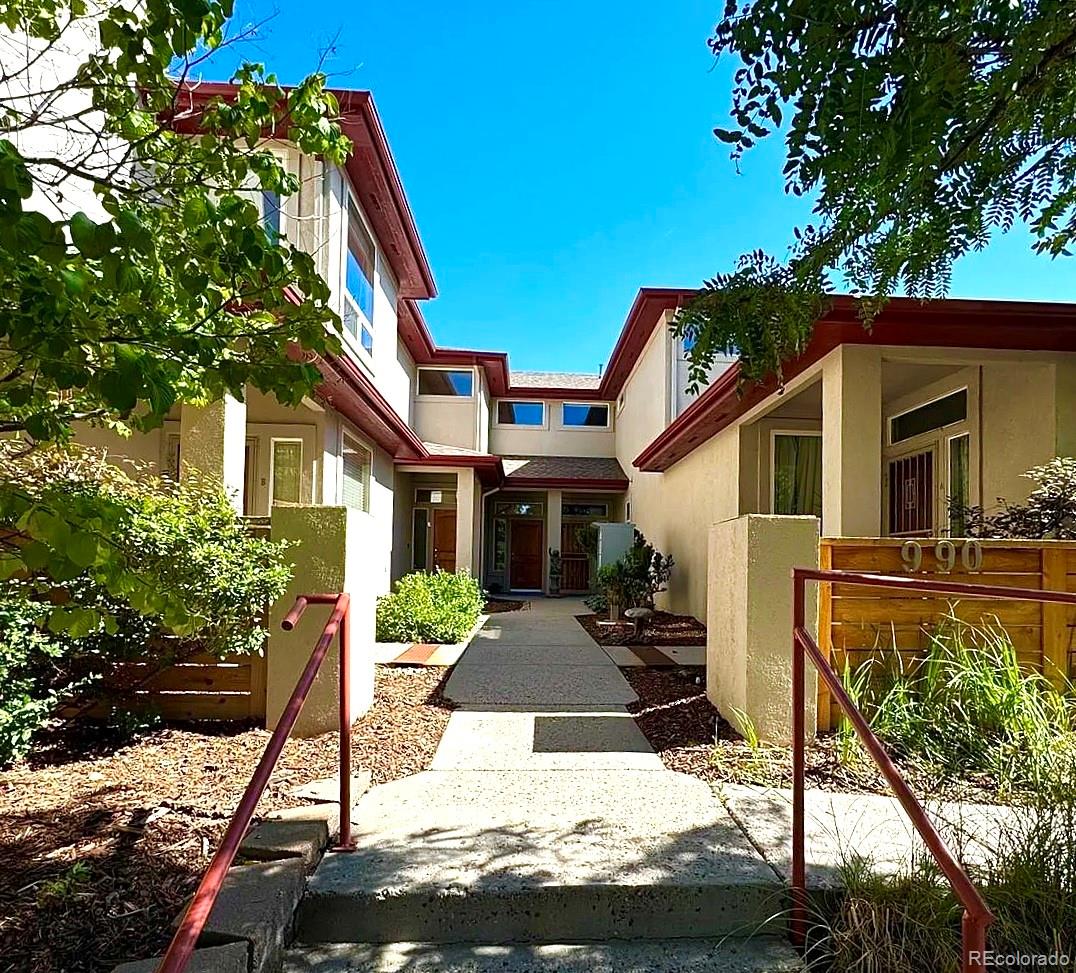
(525, 555)
(444, 540)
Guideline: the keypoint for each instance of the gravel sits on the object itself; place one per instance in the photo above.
(101, 840)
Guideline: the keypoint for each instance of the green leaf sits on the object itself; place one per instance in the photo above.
(92, 240)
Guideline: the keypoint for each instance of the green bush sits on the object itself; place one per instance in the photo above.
(193, 579)
(633, 580)
(967, 709)
(438, 607)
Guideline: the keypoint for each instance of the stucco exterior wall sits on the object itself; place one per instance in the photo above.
(643, 410)
(554, 438)
(446, 420)
(1019, 426)
(750, 619)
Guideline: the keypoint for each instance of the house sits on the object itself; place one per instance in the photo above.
(458, 462)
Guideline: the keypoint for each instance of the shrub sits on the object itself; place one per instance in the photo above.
(193, 578)
(634, 580)
(967, 708)
(438, 607)
(1049, 513)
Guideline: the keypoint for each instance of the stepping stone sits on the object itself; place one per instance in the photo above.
(327, 789)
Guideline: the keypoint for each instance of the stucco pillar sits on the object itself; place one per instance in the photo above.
(852, 442)
(331, 555)
(212, 441)
(749, 620)
(554, 500)
(465, 521)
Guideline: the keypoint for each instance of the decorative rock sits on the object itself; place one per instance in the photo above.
(229, 958)
(639, 617)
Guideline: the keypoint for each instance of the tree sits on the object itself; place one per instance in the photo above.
(923, 127)
(137, 271)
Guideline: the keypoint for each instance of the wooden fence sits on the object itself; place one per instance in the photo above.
(857, 623)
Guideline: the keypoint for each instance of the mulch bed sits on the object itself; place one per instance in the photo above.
(495, 606)
(663, 628)
(101, 841)
(692, 737)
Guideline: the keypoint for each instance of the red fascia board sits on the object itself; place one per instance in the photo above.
(646, 310)
(996, 325)
(372, 171)
(489, 468)
(351, 393)
(565, 482)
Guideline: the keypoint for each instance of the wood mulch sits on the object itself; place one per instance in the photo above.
(692, 737)
(101, 841)
(663, 628)
(495, 606)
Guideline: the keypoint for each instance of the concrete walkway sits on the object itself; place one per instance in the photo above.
(546, 817)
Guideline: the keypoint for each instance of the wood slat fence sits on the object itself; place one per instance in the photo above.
(855, 624)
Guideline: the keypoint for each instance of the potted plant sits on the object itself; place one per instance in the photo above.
(555, 570)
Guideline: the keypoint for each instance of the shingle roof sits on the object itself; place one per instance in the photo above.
(521, 469)
(555, 380)
(440, 449)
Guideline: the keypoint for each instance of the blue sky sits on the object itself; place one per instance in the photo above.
(558, 156)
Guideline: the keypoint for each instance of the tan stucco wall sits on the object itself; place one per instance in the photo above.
(554, 438)
(1019, 427)
(645, 410)
(331, 556)
(446, 420)
(750, 619)
(676, 509)
(142, 448)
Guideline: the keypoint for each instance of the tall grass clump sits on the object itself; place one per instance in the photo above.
(966, 709)
(910, 920)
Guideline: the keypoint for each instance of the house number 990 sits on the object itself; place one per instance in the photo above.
(945, 552)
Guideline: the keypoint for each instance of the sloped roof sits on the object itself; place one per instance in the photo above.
(556, 380)
(584, 471)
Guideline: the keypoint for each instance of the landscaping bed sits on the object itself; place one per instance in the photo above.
(662, 628)
(101, 841)
(496, 606)
(692, 737)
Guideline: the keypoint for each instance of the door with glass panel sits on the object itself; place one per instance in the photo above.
(927, 467)
(286, 471)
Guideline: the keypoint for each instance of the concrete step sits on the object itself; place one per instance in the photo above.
(759, 955)
(541, 856)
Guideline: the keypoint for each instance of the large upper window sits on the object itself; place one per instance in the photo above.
(797, 474)
(271, 213)
(934, 415)
(520, 413)
(355, 488)
(585, 414)
(359, 280)
(446, 381)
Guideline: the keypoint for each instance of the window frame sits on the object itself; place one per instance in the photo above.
(365, 323)
(437, 397)
(774, 433)
(583, 426)
(273, 440)
(544, 424)
(356, 443)
(894, 416)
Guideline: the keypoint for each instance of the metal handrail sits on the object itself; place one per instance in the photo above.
(977, 915)
(197, 913)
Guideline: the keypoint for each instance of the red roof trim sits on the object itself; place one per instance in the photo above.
(646, 310)
(1009, 325)
(351, 393)
(373, 175)
(558, 482)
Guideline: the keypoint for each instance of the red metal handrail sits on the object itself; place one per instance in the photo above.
(182, 947)
(977, 915)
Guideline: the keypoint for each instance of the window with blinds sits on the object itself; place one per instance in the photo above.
(356, 484)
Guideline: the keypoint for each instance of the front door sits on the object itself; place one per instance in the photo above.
(444, 540)
(525, 555)
(574, 561)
